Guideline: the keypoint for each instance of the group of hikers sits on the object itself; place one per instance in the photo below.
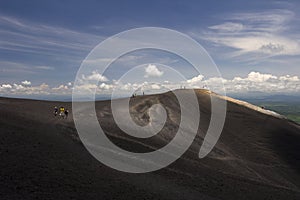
(61, 112)
(134, 95)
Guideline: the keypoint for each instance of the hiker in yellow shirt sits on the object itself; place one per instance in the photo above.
(62, 112)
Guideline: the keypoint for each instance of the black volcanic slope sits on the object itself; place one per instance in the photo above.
(41, 157)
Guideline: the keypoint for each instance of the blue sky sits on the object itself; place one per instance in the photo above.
(44, 42)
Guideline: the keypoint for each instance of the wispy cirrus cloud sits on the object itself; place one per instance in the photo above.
(228, 27)
(255, 35)
(7, 67)
(28, 48)
(44, 67)
(25, 36)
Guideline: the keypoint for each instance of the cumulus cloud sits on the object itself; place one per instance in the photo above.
(289, 78)
(258, 77)
(196, 79)
(26, 83)
(267, 83)
(20, 89)
(253, 82)
(6, 86)
(105, 86)
(87, 83)
(95, 76)
(155, 86)
(86, 87)
(152, 70)
(61, 87)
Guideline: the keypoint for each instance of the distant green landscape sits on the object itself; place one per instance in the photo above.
(289, 109)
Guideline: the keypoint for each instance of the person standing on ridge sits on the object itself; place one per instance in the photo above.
(55, 111)
(66, 113)
(61, 111)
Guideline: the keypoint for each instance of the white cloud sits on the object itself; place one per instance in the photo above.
(105, 86)
(6, 86)
(228, 27)
(87, 83)
(152, 70)
(258, 34)
(253, 82)
(267, 83)
(196, 79)
(289, 78)
(269, 20)
(25, 36)
(61, 87)
(95, 76)
(258, 77)
(155, 87)
(18, 89)
(44, 67)
(26, 83)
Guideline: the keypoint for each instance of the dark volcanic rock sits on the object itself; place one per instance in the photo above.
(41, 157)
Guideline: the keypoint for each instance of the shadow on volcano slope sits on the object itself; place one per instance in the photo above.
(290, 153)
